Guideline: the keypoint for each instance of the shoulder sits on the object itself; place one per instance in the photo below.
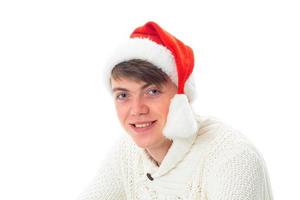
(124, 145)
(233, 165)
(125, 149)
(224, 143)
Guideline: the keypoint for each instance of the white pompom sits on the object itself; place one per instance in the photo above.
(181, 121)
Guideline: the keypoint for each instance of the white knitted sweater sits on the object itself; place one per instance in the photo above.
(218, 163)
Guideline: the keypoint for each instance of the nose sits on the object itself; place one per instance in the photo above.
(139, 107)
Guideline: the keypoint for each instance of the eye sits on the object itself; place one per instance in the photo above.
(121, 96)
(153, 92)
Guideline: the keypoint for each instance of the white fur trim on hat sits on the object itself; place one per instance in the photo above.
(145, 49)
(181, 121)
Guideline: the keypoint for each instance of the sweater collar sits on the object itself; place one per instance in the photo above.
(176, 153)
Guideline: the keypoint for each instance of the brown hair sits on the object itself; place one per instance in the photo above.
(139, 70)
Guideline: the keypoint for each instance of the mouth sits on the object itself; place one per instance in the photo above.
(142, 126)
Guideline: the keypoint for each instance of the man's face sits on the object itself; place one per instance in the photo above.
(142, 109)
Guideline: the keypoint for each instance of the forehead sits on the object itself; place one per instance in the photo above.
(128, 84)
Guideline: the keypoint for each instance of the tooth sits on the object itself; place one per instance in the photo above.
(142, 125)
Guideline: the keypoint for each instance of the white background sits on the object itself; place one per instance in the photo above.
(57, 122)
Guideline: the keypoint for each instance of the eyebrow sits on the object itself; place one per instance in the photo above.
(126, 90)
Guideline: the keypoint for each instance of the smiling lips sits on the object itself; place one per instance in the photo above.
(142, 126)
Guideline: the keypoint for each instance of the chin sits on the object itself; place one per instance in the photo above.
(143, 142)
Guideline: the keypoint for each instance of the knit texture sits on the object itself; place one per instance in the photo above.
(218, 163)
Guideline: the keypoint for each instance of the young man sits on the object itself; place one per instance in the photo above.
(169, 152)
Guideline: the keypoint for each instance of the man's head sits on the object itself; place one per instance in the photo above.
(168, 55)
(142, 94)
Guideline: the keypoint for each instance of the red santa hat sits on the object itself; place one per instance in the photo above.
(153, 44)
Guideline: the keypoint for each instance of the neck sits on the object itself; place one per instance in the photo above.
(159, 152)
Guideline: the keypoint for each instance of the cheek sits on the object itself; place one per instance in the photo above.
(165, 109)
(162, 108)
(121, 112)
